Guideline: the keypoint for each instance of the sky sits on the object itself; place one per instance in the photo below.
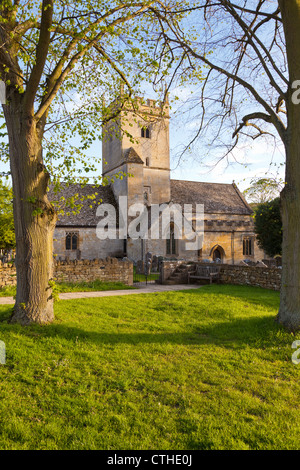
(258, 158)
(263, 157)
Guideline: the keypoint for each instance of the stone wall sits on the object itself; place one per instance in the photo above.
(268, 278)
(110, 270)
(227, 235)
(228, 232)
(90, 247)
(7, 274)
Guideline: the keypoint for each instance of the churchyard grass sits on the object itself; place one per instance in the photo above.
(142, 278)
(60, 287)
(199, 369)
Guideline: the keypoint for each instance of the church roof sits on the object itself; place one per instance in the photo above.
(130, 156)
(216, 197)
(88, 197)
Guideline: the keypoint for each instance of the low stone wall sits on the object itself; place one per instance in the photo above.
(268, 278)
(110, 270)
(7, 274)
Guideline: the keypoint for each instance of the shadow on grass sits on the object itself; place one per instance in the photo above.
(258, 332)
(229, 333)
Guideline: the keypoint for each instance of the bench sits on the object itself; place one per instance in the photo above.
(204, 272)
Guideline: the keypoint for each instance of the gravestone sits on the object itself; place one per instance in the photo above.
(154, 264)
(160, 260)
(139, 267)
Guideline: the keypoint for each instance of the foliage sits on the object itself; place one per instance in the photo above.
(268, 227)
(262, 190)
(201, 369)
(89, 52)
(7, 233)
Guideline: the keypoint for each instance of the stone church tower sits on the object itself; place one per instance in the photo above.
(137, 144)
(136, 159)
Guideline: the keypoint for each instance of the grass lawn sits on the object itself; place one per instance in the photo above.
(199, 369)
(60, 287)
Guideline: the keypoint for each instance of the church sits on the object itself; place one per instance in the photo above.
(136, 168)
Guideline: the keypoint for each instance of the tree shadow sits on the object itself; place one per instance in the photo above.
(228, 334)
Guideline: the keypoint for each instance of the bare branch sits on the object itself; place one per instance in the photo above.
(246, 119)
(41, 54)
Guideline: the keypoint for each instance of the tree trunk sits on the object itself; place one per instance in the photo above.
(289, 311)
(34, 218)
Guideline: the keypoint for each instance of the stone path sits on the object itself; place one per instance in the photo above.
(149, 289)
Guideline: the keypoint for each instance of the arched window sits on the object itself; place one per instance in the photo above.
(145, 132)
(72, 241)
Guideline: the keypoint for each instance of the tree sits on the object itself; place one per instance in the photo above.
(249, 53)
(7, 232)
(268, 227)
(262, 190)
(50, 52)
